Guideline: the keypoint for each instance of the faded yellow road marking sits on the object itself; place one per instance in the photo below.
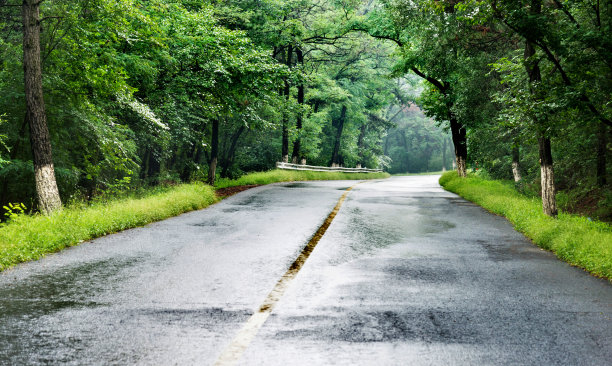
(245, 336)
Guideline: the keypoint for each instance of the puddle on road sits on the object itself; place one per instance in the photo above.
(254, 201)
(432, 271)
(214, 224)
(385, 326)
(460, 201)
(65, 287)
(511, 249)
(111, 335)
(297, 185)
(366, 232)
(369, 231)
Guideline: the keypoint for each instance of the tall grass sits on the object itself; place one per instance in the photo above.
(575, 239)
(278, 175)
(29, 237)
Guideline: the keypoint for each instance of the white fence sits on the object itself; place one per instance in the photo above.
(313, 168)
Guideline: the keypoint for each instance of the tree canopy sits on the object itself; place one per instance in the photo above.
(147, 92)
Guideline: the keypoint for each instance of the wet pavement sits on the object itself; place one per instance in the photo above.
(406, 274)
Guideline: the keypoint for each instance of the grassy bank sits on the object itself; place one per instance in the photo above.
(577, 240)
(417, 174)
(29, 237)
(278, 175)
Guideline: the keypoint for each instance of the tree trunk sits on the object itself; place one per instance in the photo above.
(549, 203)
(214, 153)
(229, 159)
(44, 171)
(361, 145)
(602, 142)
(460, 141)
(516, 167)
(335, 160)
(144, 168)
(287, 92)
(402, 139)
(386, 146)
(444, 154)
(295, 156)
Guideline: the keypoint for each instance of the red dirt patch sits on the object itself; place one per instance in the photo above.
(230, 191)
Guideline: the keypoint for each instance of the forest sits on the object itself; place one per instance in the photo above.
(101, 96)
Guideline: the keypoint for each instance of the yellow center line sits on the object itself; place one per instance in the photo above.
(243, 339)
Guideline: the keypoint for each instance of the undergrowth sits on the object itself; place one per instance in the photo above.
(577, 240)
(29, 237)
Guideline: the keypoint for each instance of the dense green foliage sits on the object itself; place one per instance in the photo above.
(132, 88)
(575, 239)
(417, 144)
(514, 75)
(142, 92)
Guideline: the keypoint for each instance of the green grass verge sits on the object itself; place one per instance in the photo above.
(575, 239)
(417, 174)
(29, 237)
(278, 175)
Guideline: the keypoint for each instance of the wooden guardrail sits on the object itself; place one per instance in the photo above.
(289, 166)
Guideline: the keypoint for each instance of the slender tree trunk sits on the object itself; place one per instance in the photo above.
(44, 171)
(444, 154)
(602, 147)
(516, 166)
(155, 164)
(361, 145)
(227, 163)
(549, 203)
(404, 142)
(460, 141)
(295, 156)
(144, 169)
(285, 142)
(386, 146)
(214, 153)
(335, 160)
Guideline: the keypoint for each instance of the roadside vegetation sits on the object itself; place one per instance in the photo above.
(577, 240)
(274, 176)
(29, 237)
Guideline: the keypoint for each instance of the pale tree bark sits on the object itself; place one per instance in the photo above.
(214, 153)
(516, 166)
(549, 202)
(44, 171)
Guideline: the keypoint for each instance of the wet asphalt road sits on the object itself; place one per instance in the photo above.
(405, 274)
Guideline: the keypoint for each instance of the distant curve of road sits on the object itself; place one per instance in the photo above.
(406, 273)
